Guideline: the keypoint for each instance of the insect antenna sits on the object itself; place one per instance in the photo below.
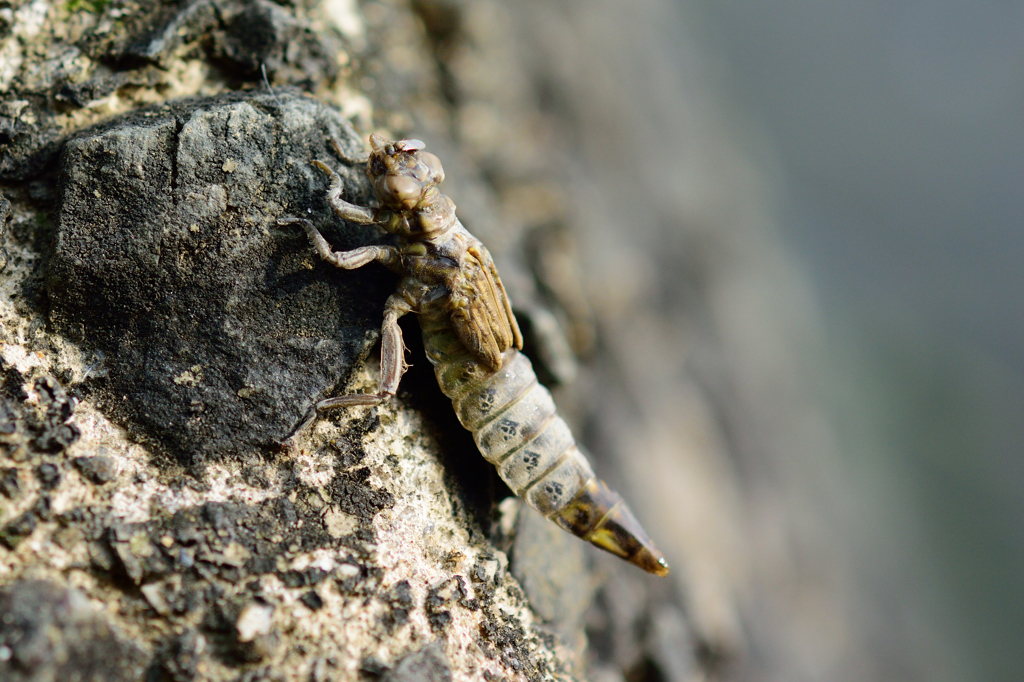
(266, 81)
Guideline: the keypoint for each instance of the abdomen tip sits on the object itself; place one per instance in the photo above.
(651, 560)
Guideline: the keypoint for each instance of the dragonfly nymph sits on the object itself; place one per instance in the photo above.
(449, 281)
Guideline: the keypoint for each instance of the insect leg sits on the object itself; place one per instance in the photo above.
(353, 161)
(342, 208)
(392, 347)
(349, 260)
(392, 359)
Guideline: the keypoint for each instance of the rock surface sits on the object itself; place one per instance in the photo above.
(160, 336)
(168, 261)
(49, 632)
(427, 665)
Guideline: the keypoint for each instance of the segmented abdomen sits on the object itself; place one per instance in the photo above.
(513, 421)
(516, 427)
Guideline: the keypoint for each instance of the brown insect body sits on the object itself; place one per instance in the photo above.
(472, 339)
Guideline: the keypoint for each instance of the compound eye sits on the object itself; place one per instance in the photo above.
(433, 165)
(403, 190)
(409, 145)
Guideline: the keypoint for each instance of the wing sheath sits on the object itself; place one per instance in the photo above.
(481, 313)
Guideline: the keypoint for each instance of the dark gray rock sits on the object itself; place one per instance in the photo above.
(29, 137)
(17, 530)
(147, 34)
(170, 25)
(5, 215)
(429, 664)
(49, 475)
(99, 470)
(243, 36)
(133, 49)
(313, 600)
(10, 483)
(49, 632)
(72, 94)
(373, 667)
(260, 33)
(42, 427)
(221, 329)
(52, 432)
(180, 660)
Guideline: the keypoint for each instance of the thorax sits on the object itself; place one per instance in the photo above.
(436, 260)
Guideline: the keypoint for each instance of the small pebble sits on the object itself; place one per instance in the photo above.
(98, 470)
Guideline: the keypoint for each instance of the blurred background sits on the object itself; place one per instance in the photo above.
(813, 216)
(785, 241)
(894, 139)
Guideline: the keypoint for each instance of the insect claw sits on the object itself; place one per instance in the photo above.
(291, 443)
(324, 167)
(282, 222)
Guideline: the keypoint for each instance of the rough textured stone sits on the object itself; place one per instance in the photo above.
(376, 531)
(367, 536)
(550, 565)
(179, 661)
(49, 632)
(10, 486)
(29, 137)
(429, 664)
(53, 432)
(49, 475)
(39, 426)
(223, 328)
(5, 214)
(99, 469)
(260, 34)
(113, 49)
(153, 35)
(17, 530)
